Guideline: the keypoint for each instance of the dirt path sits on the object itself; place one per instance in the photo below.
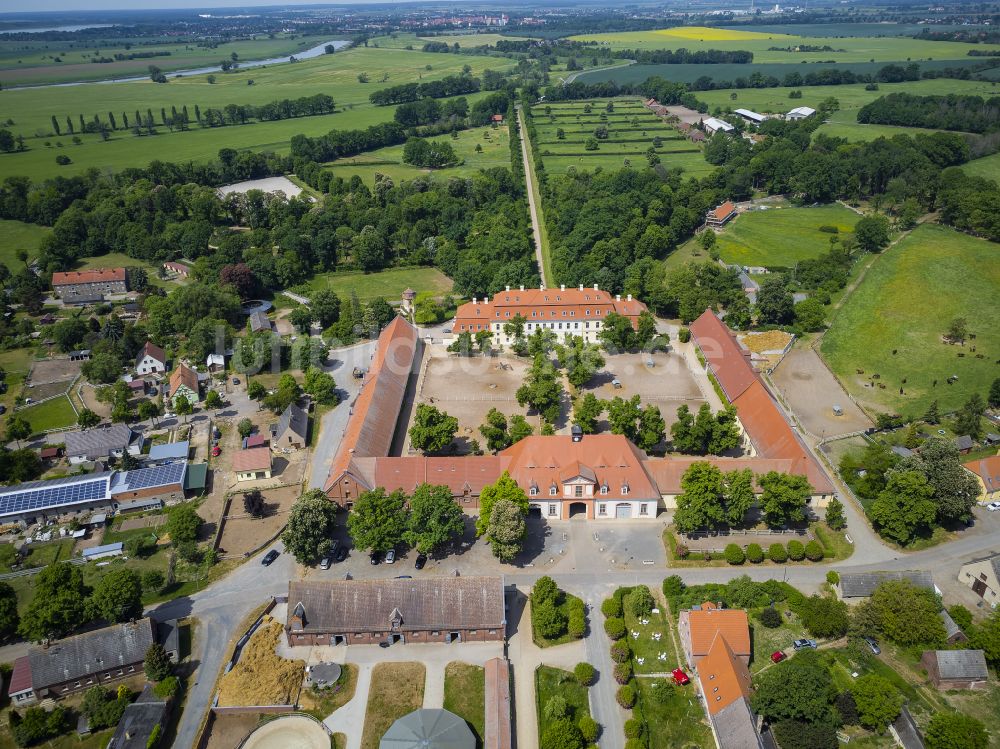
(529, 178)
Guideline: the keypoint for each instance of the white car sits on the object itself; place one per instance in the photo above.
(993, 506)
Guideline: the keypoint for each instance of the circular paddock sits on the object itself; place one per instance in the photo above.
(289, 732)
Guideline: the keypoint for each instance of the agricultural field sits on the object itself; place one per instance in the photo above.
(401, 40)
(494, 152)
(846, 49)
(894, 322)
(987, 166)
(335, 75)
(388, 284)
(632, 130)
(17, 235)
(30, 63)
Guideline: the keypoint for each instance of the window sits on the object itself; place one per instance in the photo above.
(552, 510)
(604, 489)
(578, 491)
(552, 490)
(492, 631)
(533, 491)
(602, 509)
(624, 489)
(643, 509)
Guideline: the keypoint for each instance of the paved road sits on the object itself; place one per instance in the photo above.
(536, 229)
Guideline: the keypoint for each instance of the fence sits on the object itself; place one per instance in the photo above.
(735, 532)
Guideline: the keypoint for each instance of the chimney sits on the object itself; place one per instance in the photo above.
(577, 433)
(475, 301)
(562, 287)
(630, 297)
(595, 287)
(508, 288)
(581, 287)
(618, 297)
(486, 300)
(522, 287)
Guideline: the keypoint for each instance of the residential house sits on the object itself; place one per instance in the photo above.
(956, 669)
(140, 720)
(983, 576)
(184, 381)
(290, 432)
(721, 215)
(696, 136)
(215, 362)
(431, 609)
(714, 125)
(101, 443)
(168, 452)
(987, 473)
(800, 113)
(150, 360)
(252, 464)
(699, 628)
(857, 585)
(90, 283)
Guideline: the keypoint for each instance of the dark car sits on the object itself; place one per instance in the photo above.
(375, 557)
(341, 554)
(803, 644)
(270, 557)
(236, 380)
(421, 561)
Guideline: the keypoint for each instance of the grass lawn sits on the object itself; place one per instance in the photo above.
(396, 689)
(120, 260)
(765, 641)
(987, 166)
(388, 284)
(465, 695)
(17, 235)
(551, 682)
(52, 414)
(648, 648)
(15, 363)
(676, 721)
(321, 703)
(564, 606)
(884, 328)
(781, 237)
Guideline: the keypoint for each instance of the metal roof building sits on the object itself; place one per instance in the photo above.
(863, 584)
(429, 729)
(169, 452)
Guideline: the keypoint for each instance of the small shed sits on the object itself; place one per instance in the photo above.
(100, 552)
(964, 443)
(956, 669)
(953, 633)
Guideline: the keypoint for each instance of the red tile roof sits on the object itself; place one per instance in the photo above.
(709, 622)
(253, 459)
(183, 375)
(20, 678)
(726, 359)
(724, 210)
(536, 305)
(256, 440)
(987, 469)
(97, 275)
(723, 675)
(153, 350)
(668, 472)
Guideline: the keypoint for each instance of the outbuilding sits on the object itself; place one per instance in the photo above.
(956, 669)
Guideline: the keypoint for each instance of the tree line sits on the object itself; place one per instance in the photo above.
(452, 85)
(942, 112)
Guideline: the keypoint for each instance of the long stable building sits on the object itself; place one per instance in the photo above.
(602, 476)
(565, 311)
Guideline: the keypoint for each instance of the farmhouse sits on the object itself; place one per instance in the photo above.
(956, 669)
(714, 125)
(750, 116)
(701, 627)
(358, 612)
(252, 464)
(800, 113)
(987, 473)
(183, 381)
(983, 576)
(82, 661)
(150, 360)
(580, 311)
(89, 283)
(291, 429)
(856, 585)
(720, 216)
(102, 443)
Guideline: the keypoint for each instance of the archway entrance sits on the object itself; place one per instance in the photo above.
(577, 508)
(623, 510)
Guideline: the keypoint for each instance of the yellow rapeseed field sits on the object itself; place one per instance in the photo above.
(704, 33)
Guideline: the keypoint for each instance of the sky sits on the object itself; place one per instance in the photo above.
(15, 6)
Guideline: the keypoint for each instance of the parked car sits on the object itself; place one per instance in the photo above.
(404, 577)
(803, 644)
(341, 554)
(236, 380)
(991, 507)
(324, 563)
(421, 561)
(268, 558)
(390, 556)
(375, 557)
(873, 645)
(778, 656)
(680, 678)
(3, 409)
(216, 451)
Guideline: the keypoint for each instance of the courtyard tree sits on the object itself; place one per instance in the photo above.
(256, 390)
(378, 521)
(308, 535)
(320, 386)
(706, 433)
(587, 409)
(156, 664)
(519, 428)
(906, 614)
(59, 604)
(18, 429)
(435, 518)
(148, 411)
(506, 529)
(824, 616)
(325, 307)
(651, 428)
(904, 509)
(541, 390)
(9, 618)
(617, 334)
(624, 415)
(213, 399)
(183, 406)
(580, 359)
(117, 597)
(737, 487)
(87, 419)
(514, 328)
(835, 515)
(783, 497)
(503, 488)
(301, 319)
(954, 488)
(878, 701)
(253, 503)
(432, 430)
(699, 505)
(494, 431)
(872, 233)
(462, 345)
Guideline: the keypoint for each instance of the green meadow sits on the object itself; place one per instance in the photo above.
(388, 284)
(17, 235)
(335, 75)
(987, 166)
(893, 323)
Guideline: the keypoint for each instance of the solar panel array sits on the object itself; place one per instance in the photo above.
(144, 478)
(42, 494)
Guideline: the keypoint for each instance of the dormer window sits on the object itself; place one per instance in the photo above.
(553, 490)
(604, 488)
(624, 489)
(533, 490)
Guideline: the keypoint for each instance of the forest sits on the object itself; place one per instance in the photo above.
(971, 114)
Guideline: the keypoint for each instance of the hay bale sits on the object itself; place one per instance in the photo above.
(262, 677)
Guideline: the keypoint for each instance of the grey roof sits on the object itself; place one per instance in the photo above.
(961, 664)
(903, 452)
(140, 504)
(429, 729)
(99, 442)
(139, 720)
(168, 635)
(860, 584)
(906, 729)
(951, 628)
(98, 551)
(259, 321)
(735, 727)
(992, 437)
(325, 674)
(293, 418)
(965, 442)
(92, 652)
(84, 296)
(431, 603)
(170, 451)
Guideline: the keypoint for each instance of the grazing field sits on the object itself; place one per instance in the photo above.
(494, 152)
(335, 75)
(388, 284)
(988, 167)
(846, 49)
(893, 324)
(632, 131)
(781, 237)
(17, 235)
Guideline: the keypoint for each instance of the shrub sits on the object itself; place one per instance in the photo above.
(544, 589)
(814, 552)
(561, 734)
(755, 554)
(683, 335)
(584, 673)
(681, 551)
(847, 708)
(634, 728)
(826, 228)
(577, 626)
(776, 553)
(673, 586)
(833, 577)
(614, 628)
(62, 159)
(167, 688)
(796, 551)
(620, 651)
(640, 602)
(770, 617)
(625, 696)
(589, 728)
(623, 672)
(555, 708)
(611, 608)
(734, 554)
(549, 621)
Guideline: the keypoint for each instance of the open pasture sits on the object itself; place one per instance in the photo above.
(893, 324)
(17, 235)
(846, 49)
(388, 284)
(987, 166)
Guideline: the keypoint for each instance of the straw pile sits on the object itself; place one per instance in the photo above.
(262, 677)
(770, 340)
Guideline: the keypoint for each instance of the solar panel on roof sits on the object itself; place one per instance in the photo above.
(43, 494)
(144, 478)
